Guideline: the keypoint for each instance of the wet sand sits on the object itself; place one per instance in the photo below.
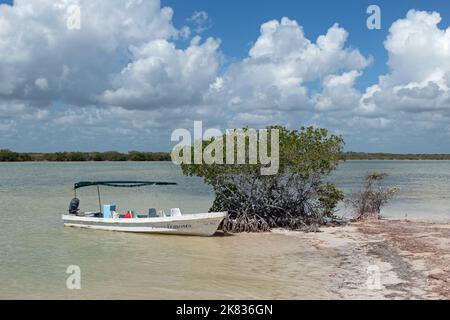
(411, 259)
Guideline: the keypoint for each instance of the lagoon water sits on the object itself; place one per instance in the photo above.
(36, 249)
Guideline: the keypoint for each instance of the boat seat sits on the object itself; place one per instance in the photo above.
(175, 212)
(152, 213)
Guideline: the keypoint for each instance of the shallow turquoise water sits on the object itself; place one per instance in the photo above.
(424, 186)
(36, 249)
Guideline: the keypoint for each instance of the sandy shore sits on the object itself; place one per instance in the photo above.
(387, 259)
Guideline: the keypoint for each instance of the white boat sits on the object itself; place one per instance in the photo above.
(202, 224)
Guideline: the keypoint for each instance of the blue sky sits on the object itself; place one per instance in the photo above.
(131, 74)
(237, 22)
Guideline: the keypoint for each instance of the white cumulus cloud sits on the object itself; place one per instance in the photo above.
(39, 52)
(162, 76)
(282, 64)
(123, 75)
(419, 62)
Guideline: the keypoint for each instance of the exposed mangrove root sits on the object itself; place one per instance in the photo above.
(250, 223)
(244, 224)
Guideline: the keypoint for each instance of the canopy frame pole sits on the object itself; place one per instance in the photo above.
(99, 199)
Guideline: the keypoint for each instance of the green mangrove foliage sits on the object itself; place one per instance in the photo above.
(298, 196)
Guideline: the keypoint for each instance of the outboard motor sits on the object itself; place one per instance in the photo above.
(74, 206)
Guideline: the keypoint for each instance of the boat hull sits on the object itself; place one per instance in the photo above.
(204, 224)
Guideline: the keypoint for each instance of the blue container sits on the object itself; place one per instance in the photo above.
(107, 210)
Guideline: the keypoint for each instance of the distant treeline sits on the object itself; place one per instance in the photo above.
(393, 156)
(11, 156)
